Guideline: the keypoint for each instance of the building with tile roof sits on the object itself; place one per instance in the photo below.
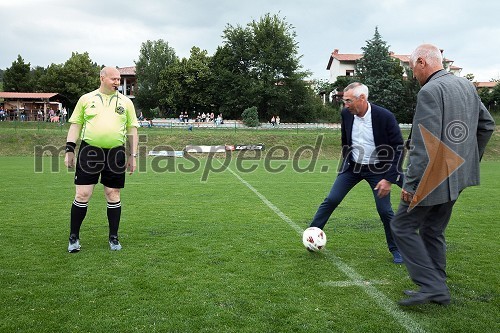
(342, 64)
(128, 82)
(29, 104)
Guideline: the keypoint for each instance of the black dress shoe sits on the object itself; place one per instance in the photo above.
(396, 257)
(422, 298)
(409, 292)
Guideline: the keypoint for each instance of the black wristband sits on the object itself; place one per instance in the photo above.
(70, 147)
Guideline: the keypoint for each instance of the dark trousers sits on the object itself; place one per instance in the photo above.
(419, 235)
(344, 182)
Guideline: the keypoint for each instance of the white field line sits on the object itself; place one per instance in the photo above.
(350, 283)
(356, 279)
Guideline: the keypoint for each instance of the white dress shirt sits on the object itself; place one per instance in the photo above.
(363, 144)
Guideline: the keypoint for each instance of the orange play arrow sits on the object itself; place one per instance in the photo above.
(443, 161)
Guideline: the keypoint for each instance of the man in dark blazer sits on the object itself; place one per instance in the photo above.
(371, 150)
(451, 128)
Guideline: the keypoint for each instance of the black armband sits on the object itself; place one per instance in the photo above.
(70, 147)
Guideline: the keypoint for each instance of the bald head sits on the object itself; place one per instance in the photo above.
(109, 71)
(110, 80)
(425, 60)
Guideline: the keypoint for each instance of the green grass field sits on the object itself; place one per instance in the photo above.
(225, 254)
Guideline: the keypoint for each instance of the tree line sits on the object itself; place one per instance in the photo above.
(256, 67)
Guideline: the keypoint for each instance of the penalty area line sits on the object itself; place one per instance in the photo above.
(382, 301)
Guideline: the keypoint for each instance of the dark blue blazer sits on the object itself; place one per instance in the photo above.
(388, 142)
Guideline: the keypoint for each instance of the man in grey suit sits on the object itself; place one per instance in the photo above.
(451, 128)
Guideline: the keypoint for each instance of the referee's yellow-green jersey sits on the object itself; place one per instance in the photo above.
(104, 118)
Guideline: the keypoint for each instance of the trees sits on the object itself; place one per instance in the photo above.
(154, 57)
(406, 110)
(384, 77)
(275, 64)
(469, 77)
(17, 77)
(37, 75)
(258, 65)
(495, 96)
(231, 91)
(491, 97)
(250, 117)
(52, 79)
(185, 85)
(79, 75)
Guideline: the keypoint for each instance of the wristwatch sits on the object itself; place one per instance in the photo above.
(133, 155)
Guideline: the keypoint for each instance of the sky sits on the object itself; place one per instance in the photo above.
(112, 32)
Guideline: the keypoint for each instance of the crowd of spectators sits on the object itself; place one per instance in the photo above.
(51, 115)
(202, 117)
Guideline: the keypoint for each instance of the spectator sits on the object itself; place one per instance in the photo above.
(63, 116)
(219, 120)
(51, 115)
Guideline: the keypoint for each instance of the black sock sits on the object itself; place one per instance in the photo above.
(114, 212)
(78, 212)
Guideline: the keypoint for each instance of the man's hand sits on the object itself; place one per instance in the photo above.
(383, 187)
(406, 196)
(131, 164)
(69, 160)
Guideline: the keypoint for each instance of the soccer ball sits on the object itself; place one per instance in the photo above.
(314, 239)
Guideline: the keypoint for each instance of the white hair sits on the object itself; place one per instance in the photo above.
(358, 89)
(429, 52)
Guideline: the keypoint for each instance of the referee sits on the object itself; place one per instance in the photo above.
(103, 119)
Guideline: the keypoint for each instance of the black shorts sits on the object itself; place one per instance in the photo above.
(109, 164)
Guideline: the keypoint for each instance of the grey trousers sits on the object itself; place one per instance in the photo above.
(419, 235)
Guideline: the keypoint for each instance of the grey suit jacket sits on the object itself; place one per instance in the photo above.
(450, 108)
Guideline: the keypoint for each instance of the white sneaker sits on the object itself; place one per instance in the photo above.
(114, 244)
(74, 245)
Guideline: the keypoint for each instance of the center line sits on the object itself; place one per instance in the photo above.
(383, 302)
